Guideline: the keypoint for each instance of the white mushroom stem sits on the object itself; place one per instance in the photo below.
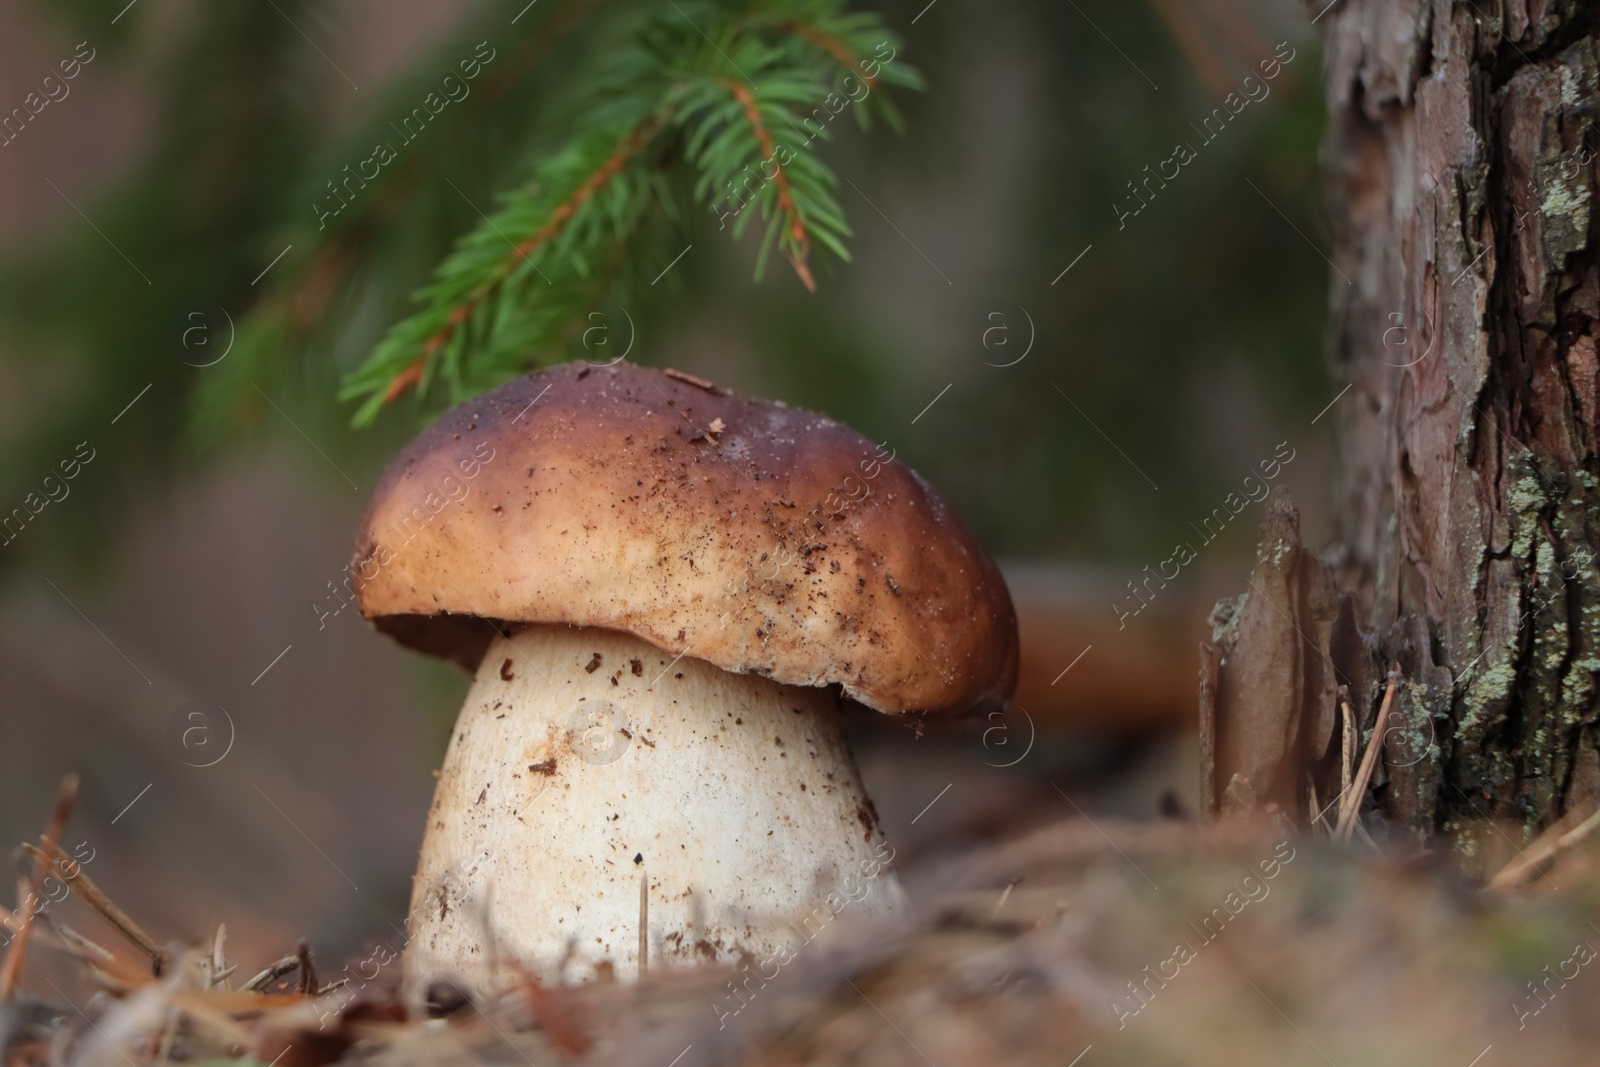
(586, 760)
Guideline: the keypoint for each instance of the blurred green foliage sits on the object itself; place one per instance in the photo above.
(1205, 310)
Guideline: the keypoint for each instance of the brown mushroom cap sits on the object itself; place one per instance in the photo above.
(761, 538)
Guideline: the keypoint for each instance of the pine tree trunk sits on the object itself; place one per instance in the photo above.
(1460, 173)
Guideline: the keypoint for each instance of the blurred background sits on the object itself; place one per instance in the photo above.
(1085, 384)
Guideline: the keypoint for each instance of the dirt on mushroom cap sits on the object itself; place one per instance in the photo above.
(761, 538)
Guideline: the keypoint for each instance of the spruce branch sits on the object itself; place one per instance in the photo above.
(496, 292)
(318, 305)
(705, 92)
(559, 217)
(797, 245)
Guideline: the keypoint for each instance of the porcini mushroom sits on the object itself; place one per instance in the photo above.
(665, 591)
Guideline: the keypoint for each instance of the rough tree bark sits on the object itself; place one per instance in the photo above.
(1461, 172)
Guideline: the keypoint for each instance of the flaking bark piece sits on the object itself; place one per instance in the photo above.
(1275, 703)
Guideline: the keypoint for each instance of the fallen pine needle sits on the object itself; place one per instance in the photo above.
(271, 973)
(28, 883)
(1350, 806)
(96, 898)
(1557, 838)
(1347, 758)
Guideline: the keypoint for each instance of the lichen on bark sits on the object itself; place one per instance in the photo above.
(1461, 165)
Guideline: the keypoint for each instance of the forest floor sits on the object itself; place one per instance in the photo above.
(1069, 943)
